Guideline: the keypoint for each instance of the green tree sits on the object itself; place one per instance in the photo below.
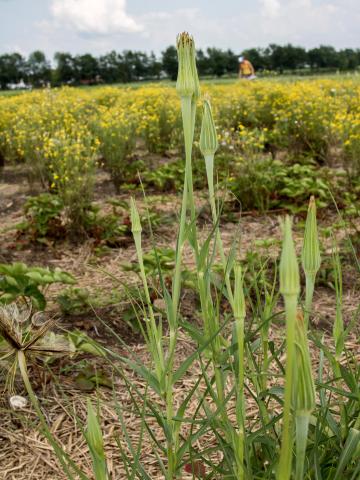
(86, 68)
(38, 69)
(169, 62)
(324, 56)
(110, 67)
(202, 63)
(348, 59)
(293, 57)
(12, 69)
(231, 61)
(155, 66)
(217, 61)
(65, 68)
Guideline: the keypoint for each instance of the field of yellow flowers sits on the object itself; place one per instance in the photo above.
(64, 136)
(61, 133)
(71, 251)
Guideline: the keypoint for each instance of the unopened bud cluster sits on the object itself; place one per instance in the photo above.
(311, 250)
(304, 391)
(208, 138)
(187, 84)
(93, 433)
(289, 268)
(135, 218)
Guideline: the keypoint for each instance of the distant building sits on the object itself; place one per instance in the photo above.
(19, 86)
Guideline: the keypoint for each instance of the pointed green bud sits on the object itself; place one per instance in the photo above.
(208, 138)
(93, 432)
(304, 391)
(135, 218)
(311, 249)
(186, 81)
(289, 268)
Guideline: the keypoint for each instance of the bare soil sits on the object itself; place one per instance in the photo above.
(24, 453)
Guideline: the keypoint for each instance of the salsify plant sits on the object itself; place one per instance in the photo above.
(237, 368)
(234, 370)
(257, 407)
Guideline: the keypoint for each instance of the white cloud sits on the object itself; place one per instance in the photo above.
(271, 8)
(161, 27)
(95, 16)
(81, 26)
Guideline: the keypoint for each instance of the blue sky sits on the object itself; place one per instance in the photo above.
(98, 26)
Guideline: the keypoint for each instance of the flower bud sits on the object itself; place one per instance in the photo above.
(208, 138)
(311, 250)
(304, 391)
(135, 218)
(93, 433)
(186, 81)
(289, 268)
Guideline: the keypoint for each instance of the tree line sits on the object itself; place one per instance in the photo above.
(129, 66)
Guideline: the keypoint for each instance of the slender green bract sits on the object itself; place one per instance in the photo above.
(311, 259)
(303, 393)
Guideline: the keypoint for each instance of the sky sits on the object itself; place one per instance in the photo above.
(99, 26)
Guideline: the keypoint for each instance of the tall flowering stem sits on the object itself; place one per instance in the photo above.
(153, 332)
(187, 86)
(289, 288)
(303, 393)
(208, 146)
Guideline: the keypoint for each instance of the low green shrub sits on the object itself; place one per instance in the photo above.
(117, 141)
(75, 301)
(43, 218)
(46, 221)
(18, 280)
(262, 183)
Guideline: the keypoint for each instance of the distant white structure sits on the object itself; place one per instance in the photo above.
(19, 86)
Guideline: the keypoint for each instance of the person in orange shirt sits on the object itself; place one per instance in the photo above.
(246, 70)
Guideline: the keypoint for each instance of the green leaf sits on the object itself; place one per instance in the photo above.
(144, 373)
(36, 277)
(12, 281)
(347, 452)
(84, 383)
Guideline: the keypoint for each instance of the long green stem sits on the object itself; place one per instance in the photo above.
(188, 124)
(302, 426)
(240, 401)
(209, 163)
(61, 455)
(154, 333)
(309, 293)
(284, 468)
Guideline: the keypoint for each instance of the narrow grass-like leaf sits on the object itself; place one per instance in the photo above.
(350, 447)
